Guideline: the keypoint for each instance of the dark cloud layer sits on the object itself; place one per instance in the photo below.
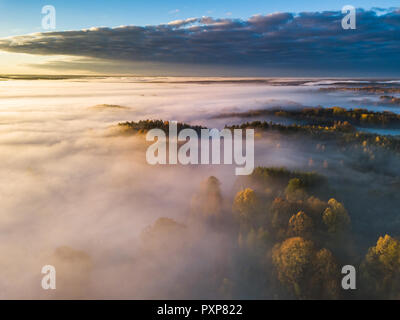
(280, 40)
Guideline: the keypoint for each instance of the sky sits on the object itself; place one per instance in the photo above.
(215, 38)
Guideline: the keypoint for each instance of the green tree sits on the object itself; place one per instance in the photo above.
(295, 190)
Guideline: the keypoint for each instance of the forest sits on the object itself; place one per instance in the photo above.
(288, 233)
(327, 116)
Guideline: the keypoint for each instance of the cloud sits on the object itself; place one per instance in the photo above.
(182, 23)
(283, 40)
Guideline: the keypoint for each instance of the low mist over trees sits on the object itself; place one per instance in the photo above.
(286, 243)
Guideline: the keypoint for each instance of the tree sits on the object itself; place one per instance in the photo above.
(380, 269)
(336, 217)
(315, 207)
(308, 273)
(292, 259)
(247, 207)
(73, 271)
(226, 289)
(254, 239)
(208, 201)
(300, 225)
(281, 211)
(326, 278)
(165, 236)
(295, 190)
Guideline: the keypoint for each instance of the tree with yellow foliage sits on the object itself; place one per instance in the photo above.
(326, 275)
(247, 207)
(300, 225)
(336, 217)
(307, 273)
(380, 270)
(292, 259)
